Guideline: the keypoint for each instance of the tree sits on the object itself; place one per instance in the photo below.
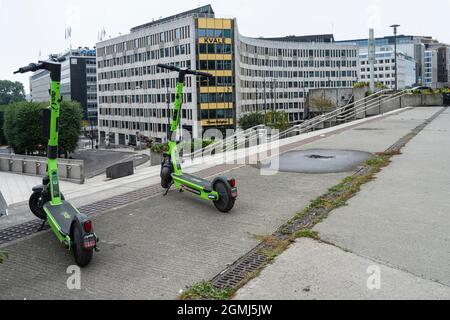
(2, 135)
(11, 92)
(71, 117)
(277, 120)
(251, 120)
(23, 127)
(322, 104)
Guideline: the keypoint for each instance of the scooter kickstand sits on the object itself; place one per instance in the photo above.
(168, 189)
(42, 226)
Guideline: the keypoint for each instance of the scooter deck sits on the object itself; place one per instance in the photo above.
(205, 184)
(64, 214)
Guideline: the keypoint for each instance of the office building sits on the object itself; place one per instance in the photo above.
(408, 47)
(78, 82)
(437, 65)
(249, 74)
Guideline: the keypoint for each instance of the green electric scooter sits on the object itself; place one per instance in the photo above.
(221, 191)
(71, 227)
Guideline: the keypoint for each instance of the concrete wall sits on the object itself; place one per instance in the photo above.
(338, 97)
(415, 100)
(412, 100)
(69, 170)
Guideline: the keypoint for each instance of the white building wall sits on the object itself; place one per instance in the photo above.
(287, 67)
(148, 117)
(385, 68)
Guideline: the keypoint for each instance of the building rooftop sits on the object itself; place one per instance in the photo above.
(390, 39)
(320, 38)
(205, 11)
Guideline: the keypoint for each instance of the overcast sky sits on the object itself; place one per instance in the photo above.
(30, 27)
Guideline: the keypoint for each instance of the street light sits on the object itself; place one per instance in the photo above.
(395, 26)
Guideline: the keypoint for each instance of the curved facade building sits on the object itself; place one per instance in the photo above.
(277, 74)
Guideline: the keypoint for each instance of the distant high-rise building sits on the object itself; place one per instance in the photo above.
(384, 69)
(78, 82)
(409, 47)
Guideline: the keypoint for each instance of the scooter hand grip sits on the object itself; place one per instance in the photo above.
(30, 68)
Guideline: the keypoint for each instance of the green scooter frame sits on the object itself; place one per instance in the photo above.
(72, 228)
(222, 191)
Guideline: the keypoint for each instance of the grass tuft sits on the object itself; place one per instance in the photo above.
(3, 256)
(300, 226)
(206, 291)
(306, 233)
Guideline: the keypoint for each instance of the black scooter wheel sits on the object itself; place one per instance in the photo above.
(225, 202)
(82, 256)
(36, 203)
(166, 177)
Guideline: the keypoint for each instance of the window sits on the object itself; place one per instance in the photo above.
(201, 33)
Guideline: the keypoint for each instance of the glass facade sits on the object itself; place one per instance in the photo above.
(215, 48)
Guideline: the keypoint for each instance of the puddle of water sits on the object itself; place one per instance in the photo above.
(318, 161)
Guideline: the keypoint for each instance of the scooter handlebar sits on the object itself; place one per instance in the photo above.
(186, 71)
(32, 67)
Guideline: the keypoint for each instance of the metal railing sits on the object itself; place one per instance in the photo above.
(226, 143)
(343, 114)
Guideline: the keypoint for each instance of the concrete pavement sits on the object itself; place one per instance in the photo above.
(16, 188)
(311, 270)
(154, 248)
(398, 223)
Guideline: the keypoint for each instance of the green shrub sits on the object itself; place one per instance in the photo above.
(159, 148)
(251, 120)
(23, 127)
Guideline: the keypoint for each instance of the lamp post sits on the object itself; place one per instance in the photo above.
(395, 26)
(265, 100)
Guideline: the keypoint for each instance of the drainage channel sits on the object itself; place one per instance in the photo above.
(32, 227)
(257, 258)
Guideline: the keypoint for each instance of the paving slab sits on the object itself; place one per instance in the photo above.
(377, 136)
(403, 217)
(311, 270)
(154, 248)
(397, 224)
